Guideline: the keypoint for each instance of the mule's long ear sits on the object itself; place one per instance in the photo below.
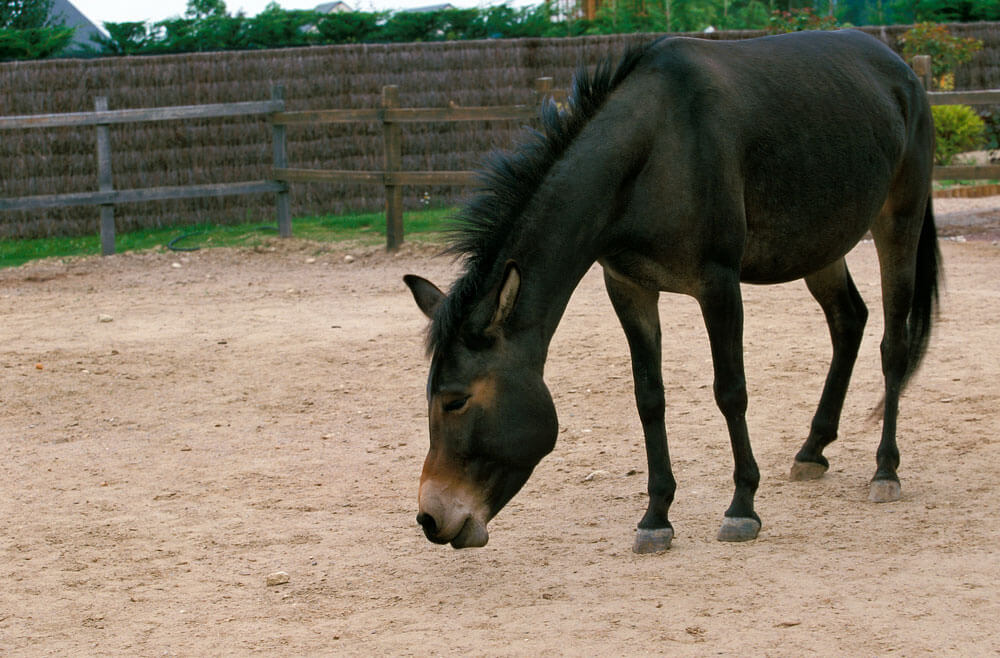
(507, 296)
(427, 295)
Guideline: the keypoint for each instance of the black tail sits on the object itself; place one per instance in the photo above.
(925, 293)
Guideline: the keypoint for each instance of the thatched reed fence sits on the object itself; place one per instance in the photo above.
(484, 73)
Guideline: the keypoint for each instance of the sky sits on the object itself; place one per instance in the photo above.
(120, 11)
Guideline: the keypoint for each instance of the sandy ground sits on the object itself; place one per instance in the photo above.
(247, 412)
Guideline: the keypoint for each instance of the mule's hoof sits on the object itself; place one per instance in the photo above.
(734, 529)
(884, 491)
(806, 471)
(652, 541)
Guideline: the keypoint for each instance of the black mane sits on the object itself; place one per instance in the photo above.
(508, 182)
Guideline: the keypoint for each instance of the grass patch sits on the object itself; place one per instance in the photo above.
(367, 228)
(947, 184)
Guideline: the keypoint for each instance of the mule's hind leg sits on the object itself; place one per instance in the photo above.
(908, 258)
(897, 291)
(846, 315)
(639, 315)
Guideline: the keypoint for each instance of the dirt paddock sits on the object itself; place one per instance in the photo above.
(176, 428)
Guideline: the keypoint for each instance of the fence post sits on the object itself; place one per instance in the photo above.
(104, 180)
(922, 67)
(281, 162)
(393, 163)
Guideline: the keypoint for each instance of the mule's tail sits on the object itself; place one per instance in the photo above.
(925, 293)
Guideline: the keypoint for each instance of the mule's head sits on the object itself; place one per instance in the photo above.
(491, 416)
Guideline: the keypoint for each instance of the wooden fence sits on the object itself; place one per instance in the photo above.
(107, 196)
(392, 177)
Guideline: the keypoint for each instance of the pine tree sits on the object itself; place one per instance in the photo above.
(29, 31)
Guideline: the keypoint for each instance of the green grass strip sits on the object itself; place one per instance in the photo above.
(365, 228)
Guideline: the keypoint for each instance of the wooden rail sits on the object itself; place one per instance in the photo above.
(112, 197)
(107, 196)
(410, 114)
(105, 117)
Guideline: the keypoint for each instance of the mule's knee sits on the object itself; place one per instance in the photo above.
(731, 397)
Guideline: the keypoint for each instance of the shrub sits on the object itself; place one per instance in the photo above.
(946, 51)
(797, 20)
(958, 129)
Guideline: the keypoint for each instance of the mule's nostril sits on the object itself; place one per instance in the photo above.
(428, 523)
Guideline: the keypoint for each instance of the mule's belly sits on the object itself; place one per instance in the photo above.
(771, 257)
(789, 240)
(677, 271)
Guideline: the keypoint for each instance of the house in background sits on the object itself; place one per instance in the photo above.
(334, 8)
(429, 8)
(63, 11)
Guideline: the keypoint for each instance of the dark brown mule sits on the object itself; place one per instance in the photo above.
(692, 167)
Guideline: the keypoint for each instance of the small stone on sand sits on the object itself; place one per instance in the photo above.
(277, 578)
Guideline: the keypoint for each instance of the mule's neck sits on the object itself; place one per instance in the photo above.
(570, 219)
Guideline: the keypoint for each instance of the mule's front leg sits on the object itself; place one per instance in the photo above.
(722, 308)
(639, 314)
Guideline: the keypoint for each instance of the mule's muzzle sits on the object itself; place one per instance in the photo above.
(471, 533)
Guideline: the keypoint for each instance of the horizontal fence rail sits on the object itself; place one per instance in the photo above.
(141, 194)
(459, 178)
(112, 117)
(982, 97)
(409, 115)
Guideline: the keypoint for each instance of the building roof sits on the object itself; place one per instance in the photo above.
(333, 8)
(67, 13)
(428, 8)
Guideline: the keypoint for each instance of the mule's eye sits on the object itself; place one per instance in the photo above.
(456, 404)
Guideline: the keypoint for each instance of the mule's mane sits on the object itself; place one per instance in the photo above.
(509, 180)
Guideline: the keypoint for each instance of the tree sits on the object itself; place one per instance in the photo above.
(277, 27)
(201, 9)
(349, 27)
(28, 31)
(24, 14)
(948, 11)
(130, 38)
